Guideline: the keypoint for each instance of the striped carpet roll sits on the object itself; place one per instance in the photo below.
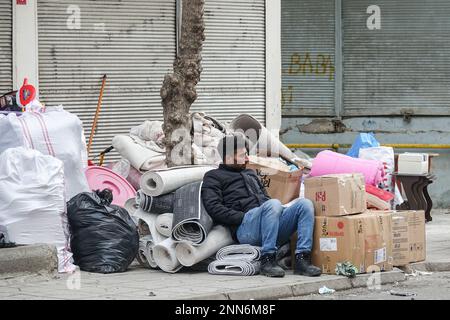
(234, 267)
(158, 205)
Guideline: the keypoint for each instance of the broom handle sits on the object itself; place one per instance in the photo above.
(97, 112)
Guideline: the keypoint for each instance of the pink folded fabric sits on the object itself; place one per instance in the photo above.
(329, 162)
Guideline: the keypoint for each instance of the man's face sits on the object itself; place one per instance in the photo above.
(239, 160)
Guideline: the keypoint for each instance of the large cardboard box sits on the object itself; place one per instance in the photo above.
(337, 195)
(417, 238)
(364, 239)
(408, 236)
(276, 177)
(400, 239)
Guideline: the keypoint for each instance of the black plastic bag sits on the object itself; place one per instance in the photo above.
(103, 238)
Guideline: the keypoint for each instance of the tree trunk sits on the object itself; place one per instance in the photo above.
(178, 90)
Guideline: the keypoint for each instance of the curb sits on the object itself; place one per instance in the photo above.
(296, 289)
(20, 260)
(438, 266)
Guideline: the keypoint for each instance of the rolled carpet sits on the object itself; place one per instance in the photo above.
(165, 257)
(191, 222)
(150, 220)
(234, 267)
(140, 157)
(155, 183)
(240, 252)
(160, 204)
(164, 224)
(188, 254)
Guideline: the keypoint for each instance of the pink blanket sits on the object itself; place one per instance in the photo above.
(329, 162)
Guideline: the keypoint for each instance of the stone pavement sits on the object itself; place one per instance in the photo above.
(142, 284)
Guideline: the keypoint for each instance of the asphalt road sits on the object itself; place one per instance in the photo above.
(424, 287)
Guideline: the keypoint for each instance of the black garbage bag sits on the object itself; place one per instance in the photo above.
(104, 238)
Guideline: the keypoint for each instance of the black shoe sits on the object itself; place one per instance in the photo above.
(304, 267)
(269, 266)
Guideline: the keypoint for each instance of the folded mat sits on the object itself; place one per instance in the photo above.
(160, 204)
(140, 157)
(155, 183)
(376, 203)
(191, 222)
(234, 267)
(240, 252)
(164, 224)
(164, 255)
(145, 253)
(188, 254)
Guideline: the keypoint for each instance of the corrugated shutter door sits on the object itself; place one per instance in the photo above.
(402, 68)
(307, 47)
(233, 76)
(131, 41)
(5, 46)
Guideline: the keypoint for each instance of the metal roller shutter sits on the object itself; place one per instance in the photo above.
(404, 67)
(132, 41)
(6, 74)
(233, 77)
(308, 47)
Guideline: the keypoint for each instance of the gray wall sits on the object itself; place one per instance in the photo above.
(418, 130)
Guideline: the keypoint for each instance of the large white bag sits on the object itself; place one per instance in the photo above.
(55, 132)
(32, 203)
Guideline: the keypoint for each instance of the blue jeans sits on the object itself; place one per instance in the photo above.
(271, 225)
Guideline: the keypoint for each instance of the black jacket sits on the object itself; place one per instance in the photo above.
(228, 193)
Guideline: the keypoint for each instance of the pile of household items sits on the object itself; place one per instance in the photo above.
(356, 230)
(102, 218)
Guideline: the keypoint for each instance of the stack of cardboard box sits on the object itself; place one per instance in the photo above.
(346, 231)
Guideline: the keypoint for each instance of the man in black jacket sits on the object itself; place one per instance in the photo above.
(235, 197)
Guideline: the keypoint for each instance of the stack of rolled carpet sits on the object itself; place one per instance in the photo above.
(175, 228)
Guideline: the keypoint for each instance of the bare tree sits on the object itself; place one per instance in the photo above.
(178, 90)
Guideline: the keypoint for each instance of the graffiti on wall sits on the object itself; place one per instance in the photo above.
(306, 64)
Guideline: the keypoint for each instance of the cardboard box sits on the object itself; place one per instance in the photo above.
(416, 235)
(276, 177)
(337, 195)
(364, 239)
(408, 237)
(400, 239)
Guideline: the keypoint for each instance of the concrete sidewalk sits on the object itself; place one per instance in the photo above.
(143, 284)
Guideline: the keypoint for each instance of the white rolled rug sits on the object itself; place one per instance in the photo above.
(239, 251)
(140, 157)
(155, 183)
(165, 257)
(188, 254)
(150, 220)
(164, 224)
